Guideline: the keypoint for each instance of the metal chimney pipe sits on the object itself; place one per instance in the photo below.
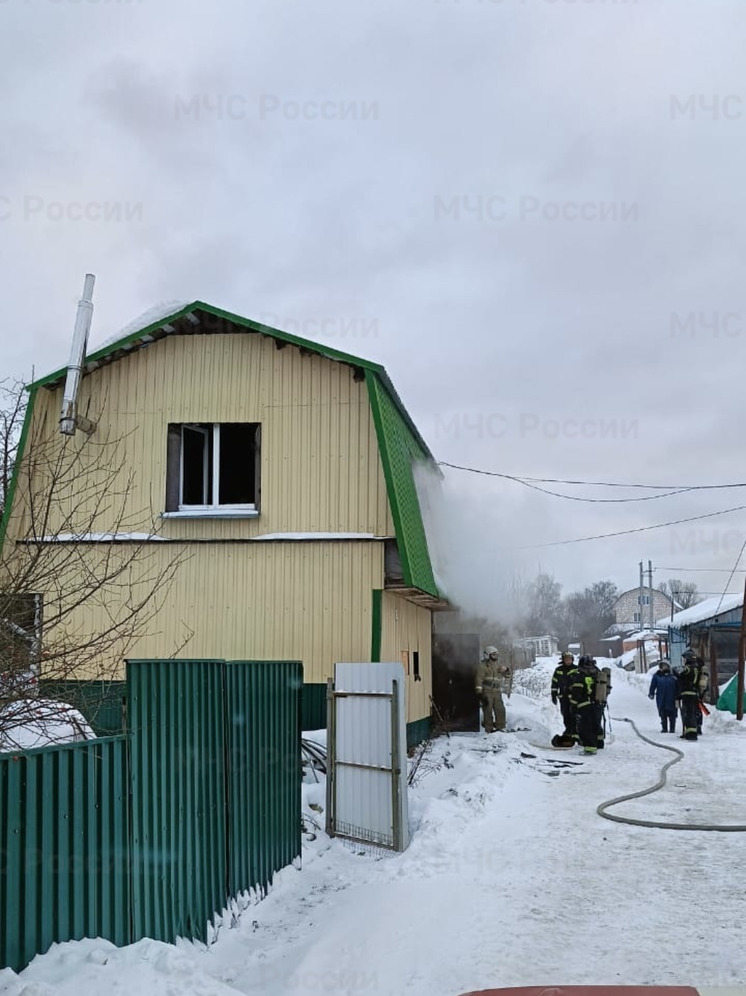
(69, 416)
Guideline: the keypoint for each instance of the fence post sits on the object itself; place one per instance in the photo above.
(714, 679)
(331, 745)
(395, 770)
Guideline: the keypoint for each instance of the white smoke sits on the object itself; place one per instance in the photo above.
(472, 539)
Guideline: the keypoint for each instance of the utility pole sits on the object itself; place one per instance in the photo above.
(714, 679)
(650, 588)
(741, 657)
(641, 596)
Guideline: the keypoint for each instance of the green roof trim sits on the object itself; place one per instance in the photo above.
(16, 466)
(400, 449)
(209, 309)
(399, 441)
(138, 339)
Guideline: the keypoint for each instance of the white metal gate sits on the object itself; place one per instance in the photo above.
(367, 760)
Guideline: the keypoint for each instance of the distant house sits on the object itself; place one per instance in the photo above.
(538, 646)
(632, 610)
(283, 467)
(715, 623)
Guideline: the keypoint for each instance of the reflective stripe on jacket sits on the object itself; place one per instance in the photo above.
(562, 679)
(491, 674)
(689, 678)
(583, 688)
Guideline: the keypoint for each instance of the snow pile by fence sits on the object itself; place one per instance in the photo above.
(26, 724)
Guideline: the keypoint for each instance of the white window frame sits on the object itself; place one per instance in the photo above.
(205, 433)
(214, 509)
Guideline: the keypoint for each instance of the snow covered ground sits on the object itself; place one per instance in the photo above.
(29, 723)
(511, 879)
(632, 657)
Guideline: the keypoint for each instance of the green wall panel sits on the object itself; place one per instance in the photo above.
(101, 702)
(313, 706)
(418, 731)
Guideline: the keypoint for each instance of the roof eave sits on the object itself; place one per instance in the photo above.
(149, 333)
(190, 309)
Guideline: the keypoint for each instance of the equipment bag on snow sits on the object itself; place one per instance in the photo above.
(559, 740)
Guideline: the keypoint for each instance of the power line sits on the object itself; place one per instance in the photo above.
(730, 576)
(673, 488)
(557, 494)
(716, 570)
(638, 529)
(714, 594)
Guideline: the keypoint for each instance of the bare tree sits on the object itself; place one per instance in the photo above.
(544, 606)
(684, 593)
(80, 579)
(589, 613)
(12, 411)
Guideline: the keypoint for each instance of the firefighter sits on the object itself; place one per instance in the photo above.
(703, 686)
(561, 682)
(491, 676)
(589, 711)
(690, 674)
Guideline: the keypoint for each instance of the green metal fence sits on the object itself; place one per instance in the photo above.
(64, 849)
(313, 706)
(177, 763)
(101, 702)
(264, 770)
(150, 833)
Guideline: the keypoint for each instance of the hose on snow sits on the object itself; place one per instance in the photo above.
(604, 806)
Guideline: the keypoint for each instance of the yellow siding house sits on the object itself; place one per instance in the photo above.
(276, 472)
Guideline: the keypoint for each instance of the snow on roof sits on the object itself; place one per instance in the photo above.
(154, 537)
(158, 314)
(645, 634)
(711, 607)
(147, 318)
(98, 538)
(318, 536)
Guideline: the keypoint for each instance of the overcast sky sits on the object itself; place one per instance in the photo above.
(531, 211)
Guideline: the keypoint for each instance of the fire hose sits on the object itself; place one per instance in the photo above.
(604, 806)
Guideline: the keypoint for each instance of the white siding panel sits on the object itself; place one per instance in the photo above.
(364, 805)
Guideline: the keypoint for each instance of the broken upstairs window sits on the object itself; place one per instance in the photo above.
(213, 466)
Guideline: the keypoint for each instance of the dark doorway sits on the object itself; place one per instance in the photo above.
(455, 659)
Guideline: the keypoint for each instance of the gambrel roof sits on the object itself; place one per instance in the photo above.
(399, 442)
